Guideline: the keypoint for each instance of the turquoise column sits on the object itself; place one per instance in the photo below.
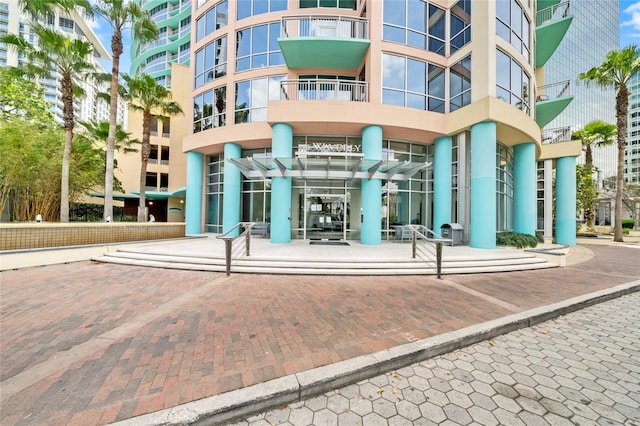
(442, 183)
(281, 147)
(524, 188)
(483, 185)
(371, 230)
(193, 202)
(566, 201)
(231, 189)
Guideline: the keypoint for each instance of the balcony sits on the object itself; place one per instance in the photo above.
(557, 134)
(552, 24)
(551, 101)
(324, 90)
(323, 41)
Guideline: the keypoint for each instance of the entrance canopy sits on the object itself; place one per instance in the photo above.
(327, 167)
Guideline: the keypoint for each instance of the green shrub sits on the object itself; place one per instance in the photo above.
(515, 239)
(627, 223)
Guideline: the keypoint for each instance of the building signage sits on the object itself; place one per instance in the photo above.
(308, 148)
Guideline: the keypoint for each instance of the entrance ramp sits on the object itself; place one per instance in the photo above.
(302, 258)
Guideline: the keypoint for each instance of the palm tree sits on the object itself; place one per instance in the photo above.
(72, 60)
(147, 96)
(120, 14)
(615, 71)
(595, 133)
(39, 8)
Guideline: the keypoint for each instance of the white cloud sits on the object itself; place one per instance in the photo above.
(634, 12)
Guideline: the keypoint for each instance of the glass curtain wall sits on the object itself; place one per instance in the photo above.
(215, 171)
(405, 203)
(504, 188)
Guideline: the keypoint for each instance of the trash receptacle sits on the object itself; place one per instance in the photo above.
(452, 231)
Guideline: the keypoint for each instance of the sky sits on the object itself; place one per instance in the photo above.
(629, 31)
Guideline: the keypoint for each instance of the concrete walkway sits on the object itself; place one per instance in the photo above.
(87, 343)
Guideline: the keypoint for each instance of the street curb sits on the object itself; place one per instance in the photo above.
(241, 403)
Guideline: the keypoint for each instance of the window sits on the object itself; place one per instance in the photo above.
(257, 47)
(66, 24)
(412, 83)
(504, 188)
(460, 84)
(248, 8)
(215, 173)
(407, 22)
(211, 62)
(151, 182)
(513, 25)
(512, 83)
(339, 4)
(210, 109)
(252, 97)
(460, 25)
(214, 19)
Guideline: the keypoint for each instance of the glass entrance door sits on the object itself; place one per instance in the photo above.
(326, 217)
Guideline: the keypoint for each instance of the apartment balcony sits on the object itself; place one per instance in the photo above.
(323, 41)
(551, 101)
(324, 90)
(557, 134)
(552, 24)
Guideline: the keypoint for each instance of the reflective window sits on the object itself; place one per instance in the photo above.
(512, 82)
(210, 109)
(513, 25)
(460, 25)
(211, 62)
(412, 83)
(252, 97)
(504, 188)
(460, 84)
(340, 4)
(257, 47)
(215, 175)
(214, 19)
(415, 23)
(248, 8)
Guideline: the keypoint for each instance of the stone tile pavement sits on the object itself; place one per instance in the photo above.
(88, 344)
(579, 369)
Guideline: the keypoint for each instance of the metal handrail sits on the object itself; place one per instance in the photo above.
(229, 241)
(324, 26)
(438, 241)
(553, 13)
(324, 90)
(557, 134)
(554, 90)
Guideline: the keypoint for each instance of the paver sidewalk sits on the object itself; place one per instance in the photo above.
(89, 343)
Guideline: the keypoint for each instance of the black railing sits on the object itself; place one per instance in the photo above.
(558, 134)
(234, 245)
(420, 233)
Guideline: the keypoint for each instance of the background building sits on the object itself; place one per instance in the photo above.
(593, 32)
(632, 152)
(74, 24)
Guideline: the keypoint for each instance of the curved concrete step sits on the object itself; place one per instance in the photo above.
(498, 262)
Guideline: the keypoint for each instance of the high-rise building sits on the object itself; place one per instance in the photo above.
(155, 57)
(164, 59)
(632, 151)
(347, 119)
(75, 24)
(593, 32)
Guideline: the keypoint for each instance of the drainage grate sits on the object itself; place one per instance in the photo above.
(328, 243)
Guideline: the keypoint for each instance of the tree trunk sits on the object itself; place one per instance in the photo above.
(67, 113)
(622, 106)
(145, 150)
(116, 48)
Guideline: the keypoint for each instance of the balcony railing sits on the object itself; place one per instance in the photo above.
(558, 134)
(553, 13)
(330, 26)
(554, 91)
(324, 90)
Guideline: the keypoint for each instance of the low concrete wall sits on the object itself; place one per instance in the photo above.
(21, 236)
